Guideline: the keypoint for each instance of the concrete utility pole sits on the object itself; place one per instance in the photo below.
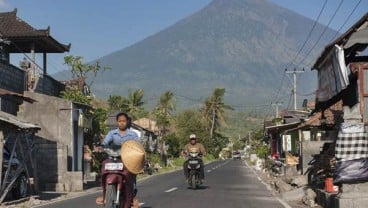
(294, 82)
(277, 107)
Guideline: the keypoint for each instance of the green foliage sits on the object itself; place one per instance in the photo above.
(240, 124)
(81, 70)
(174, 145)
(258, 146)
(208, 158)
(214, 110)
(163, 113)
(98, 121)
(74, 94)
(154, 158)
(133, 104)
(191, 122)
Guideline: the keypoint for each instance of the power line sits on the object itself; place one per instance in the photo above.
(309, 34)
(325, 29)
(299, 51)
(346, 20)
(341, 27)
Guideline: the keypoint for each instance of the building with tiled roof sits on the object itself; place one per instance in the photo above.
(22, 36)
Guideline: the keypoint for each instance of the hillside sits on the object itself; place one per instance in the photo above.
(241, 45)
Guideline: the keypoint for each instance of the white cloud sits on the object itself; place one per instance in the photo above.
(4, 6)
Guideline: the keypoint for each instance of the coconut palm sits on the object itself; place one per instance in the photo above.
(163, 113)
(214, 110)
(133, 104)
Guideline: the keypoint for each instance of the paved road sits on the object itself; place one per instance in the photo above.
(228, 183)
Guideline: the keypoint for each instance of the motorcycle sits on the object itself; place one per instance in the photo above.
(148, 168)
(275, 165)
(113, 176)
(194, 166)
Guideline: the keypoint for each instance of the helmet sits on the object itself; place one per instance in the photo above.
(192, 136)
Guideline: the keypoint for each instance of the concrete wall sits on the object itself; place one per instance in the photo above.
(309, 148)
(52, 114)
(55, 140)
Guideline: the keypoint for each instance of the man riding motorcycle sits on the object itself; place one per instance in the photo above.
(115, 138)
(194, 144)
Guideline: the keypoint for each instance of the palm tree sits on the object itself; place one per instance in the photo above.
(214, 110)
(133, 104)
(163, 113)
(115, 102)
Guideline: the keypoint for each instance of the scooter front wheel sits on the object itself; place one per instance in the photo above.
(111, 196)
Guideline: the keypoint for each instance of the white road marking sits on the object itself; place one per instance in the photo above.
(286, 205)
(172, 189)
(208, 171)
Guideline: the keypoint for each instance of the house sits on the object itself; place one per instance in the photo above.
(61, 137)
(342, 68)
(18, 136)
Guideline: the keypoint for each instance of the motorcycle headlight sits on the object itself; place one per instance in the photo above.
(193, 154)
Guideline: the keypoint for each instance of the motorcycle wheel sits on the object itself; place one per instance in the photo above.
(193, 181)
(21, 188)
(111, 196)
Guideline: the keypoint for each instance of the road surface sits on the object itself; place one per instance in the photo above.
(229, 183)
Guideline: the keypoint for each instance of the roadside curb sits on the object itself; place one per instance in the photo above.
(284, 203)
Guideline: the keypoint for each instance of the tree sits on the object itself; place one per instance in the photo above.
(188, 122)
(163, 113)
(77, 90)
(134, 103)
(80, 70)
(115, 102)
(214, 110)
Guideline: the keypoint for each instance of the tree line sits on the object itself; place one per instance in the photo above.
(174, 127)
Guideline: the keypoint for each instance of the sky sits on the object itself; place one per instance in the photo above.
(96, 28)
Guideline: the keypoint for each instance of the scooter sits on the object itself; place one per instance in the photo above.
(194, 166)
(114, 180)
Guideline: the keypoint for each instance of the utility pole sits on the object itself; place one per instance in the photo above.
(277, 107)
(294, 82)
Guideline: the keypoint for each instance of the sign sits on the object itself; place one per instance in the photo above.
(286, 139)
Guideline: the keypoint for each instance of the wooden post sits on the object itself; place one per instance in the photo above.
(44, 63)
(1, 153)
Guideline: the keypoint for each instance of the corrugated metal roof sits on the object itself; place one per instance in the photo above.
(7, 92)
(8, 118)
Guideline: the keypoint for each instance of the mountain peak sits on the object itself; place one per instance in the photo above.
(241, 45)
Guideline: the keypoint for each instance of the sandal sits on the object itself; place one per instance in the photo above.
(100, 200)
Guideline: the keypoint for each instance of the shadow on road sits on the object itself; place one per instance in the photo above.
(91, 184)
(200, 188)
(50, 195)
